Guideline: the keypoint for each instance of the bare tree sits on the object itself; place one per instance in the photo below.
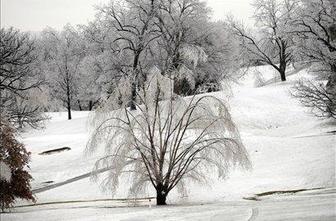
(63, 53)
(98, 69)
(168, 141)
(316, 97)
(17, 56)
(26, 111)
(314, 30)
(19, 76)
(132, 21)
(313, 27)
(191, 50)
(176, 36)
(273, 45)
(91, 83)
(179, 50)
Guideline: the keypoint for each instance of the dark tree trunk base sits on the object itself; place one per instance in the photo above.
(134, 95)
(161, 200)
(90, 105)
(132, 106)
(283, 77)
(69, 113)
(282, 70)
(161, 195)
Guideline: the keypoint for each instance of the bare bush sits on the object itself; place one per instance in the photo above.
(259, 80)
(315, 96)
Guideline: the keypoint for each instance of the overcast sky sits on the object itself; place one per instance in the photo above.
(34, 15)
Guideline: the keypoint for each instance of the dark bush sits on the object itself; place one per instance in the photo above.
(13, 154)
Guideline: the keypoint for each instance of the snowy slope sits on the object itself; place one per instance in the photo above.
(289, 148)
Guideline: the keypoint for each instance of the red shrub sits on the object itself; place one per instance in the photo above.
(14, 154)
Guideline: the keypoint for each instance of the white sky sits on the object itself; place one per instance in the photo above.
(35, 15)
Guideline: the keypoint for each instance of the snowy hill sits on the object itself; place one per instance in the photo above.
(289, 148)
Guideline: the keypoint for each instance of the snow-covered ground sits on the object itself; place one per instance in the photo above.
(289, 149)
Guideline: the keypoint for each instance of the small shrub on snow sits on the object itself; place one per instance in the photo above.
(259, 80)
(317, 97)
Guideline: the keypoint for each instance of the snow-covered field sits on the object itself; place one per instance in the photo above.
(289, 149)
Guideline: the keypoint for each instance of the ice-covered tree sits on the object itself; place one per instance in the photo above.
(132, 21)
(272, 45)
(27, 110)
(63, 52)
(167, 142)
(92, 80)
(191, 50)
(176, 36)
(100, 69)
(314, 28)
(317, 97)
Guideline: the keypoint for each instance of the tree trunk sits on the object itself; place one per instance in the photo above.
(283, 59)
(331, 83)
(69, 110)
(161, 195)
(283, 76)
(282, 71)
(68, 103)
(90, 105)
(79, 105)
(135, 80)
(20, 121)
(133, 98)
(67, 81)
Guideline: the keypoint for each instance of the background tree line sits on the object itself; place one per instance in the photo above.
(78, 67)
